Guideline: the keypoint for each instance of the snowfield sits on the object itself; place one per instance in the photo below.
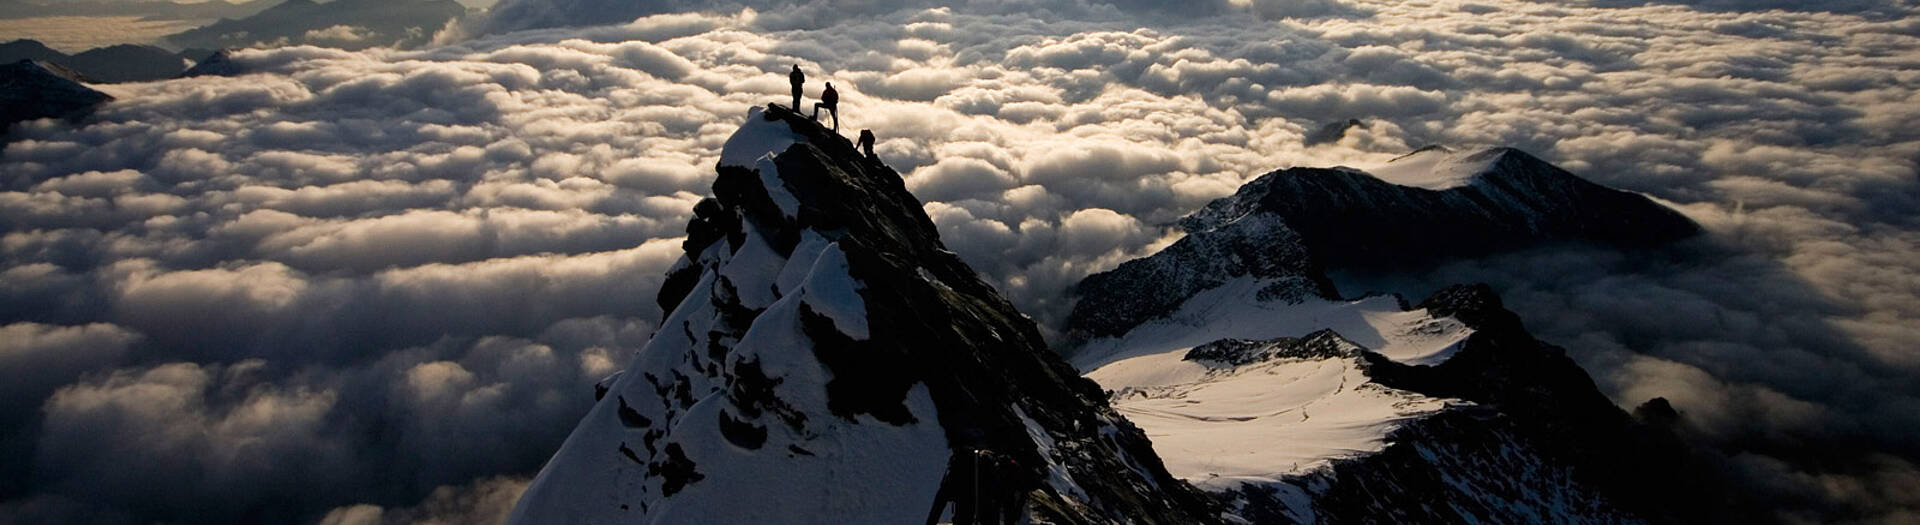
(1219, 426)
(1433, 168)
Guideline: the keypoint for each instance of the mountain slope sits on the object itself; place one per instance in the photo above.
(826, 359)
(345, 24)
(1435, 204)
(127, 63)
(33, 90)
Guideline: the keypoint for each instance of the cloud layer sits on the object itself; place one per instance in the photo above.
(377, 286)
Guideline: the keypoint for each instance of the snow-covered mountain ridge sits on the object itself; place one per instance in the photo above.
(825, 360)
(1258, 382)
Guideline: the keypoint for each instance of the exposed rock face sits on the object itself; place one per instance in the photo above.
(823, 358)
(1494, 200)
(34, 90)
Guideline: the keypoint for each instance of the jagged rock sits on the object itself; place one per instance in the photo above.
(824, 353)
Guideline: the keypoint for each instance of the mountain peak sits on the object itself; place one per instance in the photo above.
(1437, 203)
(823, 355)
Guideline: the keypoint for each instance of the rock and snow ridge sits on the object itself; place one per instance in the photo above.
(1257, 382)
(824, 356)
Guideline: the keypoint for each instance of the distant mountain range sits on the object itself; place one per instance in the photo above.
(346, 24)
(121, 63)
(160, 10)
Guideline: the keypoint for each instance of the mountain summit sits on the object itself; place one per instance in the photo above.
(825, 359)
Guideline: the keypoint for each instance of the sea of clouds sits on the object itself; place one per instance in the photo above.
(367, 287)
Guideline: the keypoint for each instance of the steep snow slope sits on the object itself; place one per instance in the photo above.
(823, 359)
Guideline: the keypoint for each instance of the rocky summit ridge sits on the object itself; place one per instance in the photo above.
(825, 359)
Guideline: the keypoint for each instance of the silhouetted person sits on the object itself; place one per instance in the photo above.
(962, 483)
(830, 100)
(798, 79)
(866, 142)
(984, 487)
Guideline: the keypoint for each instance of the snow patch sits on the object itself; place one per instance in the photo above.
(1263, 422)
(1222, 427)
(1432, 168)
(832, 292)
(756, 138)
(753, 147)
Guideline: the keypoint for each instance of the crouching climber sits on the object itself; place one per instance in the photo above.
(831, 101)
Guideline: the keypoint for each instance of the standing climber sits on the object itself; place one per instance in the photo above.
(866, 142)
(830, 100)
(798, 79)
